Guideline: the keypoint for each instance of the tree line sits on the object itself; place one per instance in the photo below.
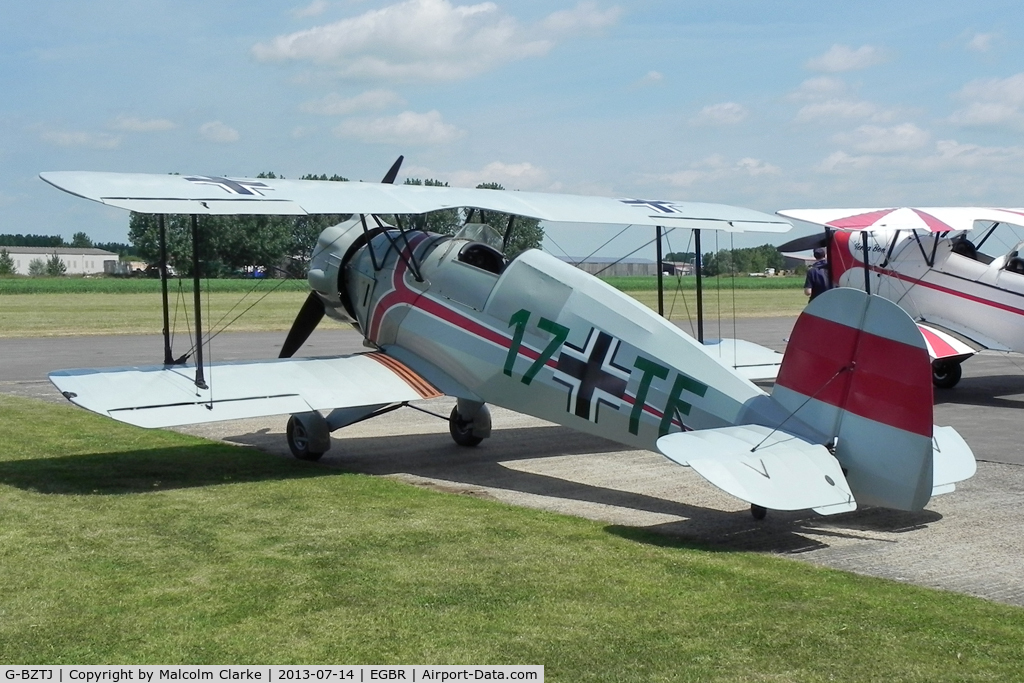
(735, 261)
(80, 240)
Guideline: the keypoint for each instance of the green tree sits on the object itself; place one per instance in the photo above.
(6, 263)
(55, 267)
(81, 241)
(442, 221)
(526, 232)
(37, 267)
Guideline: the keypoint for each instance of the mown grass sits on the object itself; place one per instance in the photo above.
(119, 545)
(39, 307)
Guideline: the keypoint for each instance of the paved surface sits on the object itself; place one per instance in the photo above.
(968, 541)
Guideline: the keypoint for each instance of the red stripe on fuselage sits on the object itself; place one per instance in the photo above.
(403, 295)
(877, 378)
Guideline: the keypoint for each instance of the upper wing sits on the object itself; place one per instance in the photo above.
(766, 467)
(166, 396)
(940, 219)
(146, 193)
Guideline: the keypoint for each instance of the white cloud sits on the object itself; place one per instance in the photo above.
(313, 9)
(992, 102)
(651, 78)
(716, 168)
(428, 40)
(834, 109)
(336, 105)
(521, 176)
(584, 17)
(945, 157)
(843, 58)
(880, 140)
(722, 114)
(818, 88)
(981, 42)
(405, 128)
(216, 131)
(77, 138)
(134, 124)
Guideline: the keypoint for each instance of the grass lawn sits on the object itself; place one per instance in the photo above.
(41, 307)
(121, 545)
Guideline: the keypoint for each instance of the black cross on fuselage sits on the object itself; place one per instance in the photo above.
(591, 374)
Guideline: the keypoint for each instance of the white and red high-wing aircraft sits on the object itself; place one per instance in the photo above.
(921, 258)
(850, 418)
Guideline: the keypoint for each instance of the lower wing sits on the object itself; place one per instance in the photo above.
(167, 396)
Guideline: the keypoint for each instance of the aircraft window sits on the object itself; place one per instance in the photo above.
(483, 257)
(1015, 264)
(963, 246)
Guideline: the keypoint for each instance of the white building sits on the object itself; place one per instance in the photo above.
(77, 261)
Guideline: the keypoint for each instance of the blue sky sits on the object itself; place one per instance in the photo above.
(766, 105)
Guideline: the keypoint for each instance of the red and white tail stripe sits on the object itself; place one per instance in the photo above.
(857, 369)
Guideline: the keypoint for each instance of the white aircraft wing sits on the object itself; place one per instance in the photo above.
(166, 396)
(936, 219)
(183, 194)
(765, 467)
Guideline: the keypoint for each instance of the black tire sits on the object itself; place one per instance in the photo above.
(758, 512)
(298, 441)
(946, 375)
(462, 431)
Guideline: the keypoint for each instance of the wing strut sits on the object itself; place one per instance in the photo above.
(661, 272)
(699, 272)
(168, 356)
(197, 297)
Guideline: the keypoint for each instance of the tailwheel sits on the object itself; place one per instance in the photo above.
(758, 512)
(462, 430)
(946, 374)
(309, 437)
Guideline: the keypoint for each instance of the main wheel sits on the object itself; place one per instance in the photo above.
(461, 430)
(758, 512)
(946, 375)
(299, 440)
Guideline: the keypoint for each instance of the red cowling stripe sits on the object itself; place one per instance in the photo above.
(886, 381)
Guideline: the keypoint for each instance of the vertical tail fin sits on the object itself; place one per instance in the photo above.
(857, 369)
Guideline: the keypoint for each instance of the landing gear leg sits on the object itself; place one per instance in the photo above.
(309, 437)
(758, 512)
(945, 374)
(469, 423)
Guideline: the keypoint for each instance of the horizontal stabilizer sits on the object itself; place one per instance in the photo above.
(749, 360)
(953, 460)
(167, 396)
(765, 467)
(942, 343)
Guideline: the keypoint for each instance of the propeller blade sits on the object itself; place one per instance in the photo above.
(804, 243)
(389, 177)
(310, 315)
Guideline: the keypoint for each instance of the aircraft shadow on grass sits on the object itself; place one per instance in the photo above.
(433, 456)
(150, 470)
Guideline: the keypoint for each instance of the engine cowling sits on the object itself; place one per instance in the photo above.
(334, 248)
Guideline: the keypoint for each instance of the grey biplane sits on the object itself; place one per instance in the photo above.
(848, 421)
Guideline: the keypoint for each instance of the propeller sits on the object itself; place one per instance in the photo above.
(804, 243)
(310, 315)
(312, 311)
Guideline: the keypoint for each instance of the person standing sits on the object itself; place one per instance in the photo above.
(818, 279)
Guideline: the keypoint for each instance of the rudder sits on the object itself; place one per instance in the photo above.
(857, 368)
